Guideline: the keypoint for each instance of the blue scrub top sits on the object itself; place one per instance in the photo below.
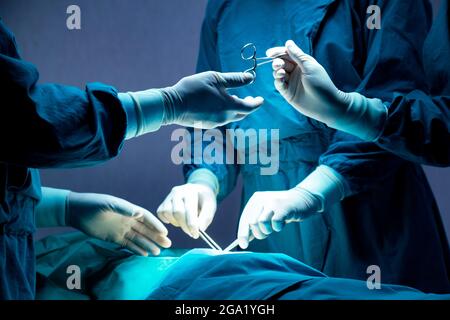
(43, 126)
(391, 218)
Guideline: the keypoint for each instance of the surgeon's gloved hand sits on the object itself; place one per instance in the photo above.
(306, 85)
(113, 219)
(191, 206)
(200, 101)
(268, 212)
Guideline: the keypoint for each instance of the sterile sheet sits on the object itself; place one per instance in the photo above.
(110, 272)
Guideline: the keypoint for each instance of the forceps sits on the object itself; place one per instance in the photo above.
(209, 241)
(235, 243)
(248, 53)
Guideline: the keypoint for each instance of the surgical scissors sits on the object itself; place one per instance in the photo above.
(248, 53)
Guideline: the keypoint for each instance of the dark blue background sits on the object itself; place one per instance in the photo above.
(132, 45)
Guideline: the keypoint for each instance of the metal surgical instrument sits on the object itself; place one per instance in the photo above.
(248, 53)
(235, 243)
(209, 240)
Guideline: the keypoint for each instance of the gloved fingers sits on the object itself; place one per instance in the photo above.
(295, 217)
(247, 105)
(254, 222)
(254, 227)
(251, 101)
(281, 86)
(134, 248)
(303, 60)
(207, 212)
(277, 64)
(162, 215)
(128, 209)
(120, 206)
(160, 239)
(192, 221)
(235, 79)
(278, 225)
(265, 221)
(165, 211)
(144, 243)
(179, 213)
(279, 220)
(281, 75)
(171, 213)
(246, 221)
(152, 222)
(275, 51)
(243, 233)
(285, 64)
(171, 217)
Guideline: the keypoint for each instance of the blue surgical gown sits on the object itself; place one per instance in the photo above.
(390, 218)
(418, 125)
(43, 126)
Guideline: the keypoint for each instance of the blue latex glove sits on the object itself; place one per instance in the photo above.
(306, 85)
(199, 101)
(269, 211)
(191, 206)
(203, 98)
(103, 217)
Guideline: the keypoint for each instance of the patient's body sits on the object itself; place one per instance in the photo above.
(107, 271)
(110, 272)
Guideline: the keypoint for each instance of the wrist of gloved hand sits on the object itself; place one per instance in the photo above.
(51, 209)
(172, 102)
(327, 185)
(364, 118)
(206, 177)
(145, 111)
(306, 204)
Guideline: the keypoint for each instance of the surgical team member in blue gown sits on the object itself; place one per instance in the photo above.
(388, 216)
(415, 126)
(50, 125)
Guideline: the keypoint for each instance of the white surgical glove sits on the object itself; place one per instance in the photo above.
(269, 211)
(306, 85)
(200, 100)
(103, 217)
(191, 206)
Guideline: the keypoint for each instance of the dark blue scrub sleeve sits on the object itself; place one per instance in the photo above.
(51, 125)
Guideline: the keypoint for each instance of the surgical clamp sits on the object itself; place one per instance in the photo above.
(248, 53)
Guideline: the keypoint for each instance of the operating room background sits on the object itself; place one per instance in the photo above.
(132, 45)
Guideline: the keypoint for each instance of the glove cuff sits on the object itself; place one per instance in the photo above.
(51, 210)
(326, 184)
(145, 111)
(364, 117)
(206, 177)
(171, 99)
